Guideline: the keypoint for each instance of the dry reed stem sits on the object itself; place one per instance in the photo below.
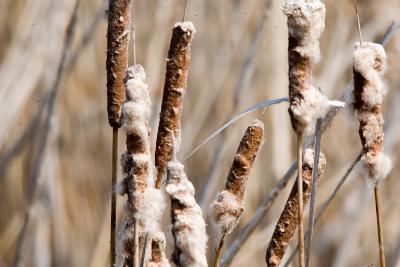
(287, 223)
(300, 196)
(119, 20)
(188, 226)
(174, 89)
(379, 225)
(113, 197)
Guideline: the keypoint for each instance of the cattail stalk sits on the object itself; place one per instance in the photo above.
(228, 207)
(188, 226)
(369, 90)
(174, 89)
(119, 20)
(306, 22)
(145, 204)
(287, 223)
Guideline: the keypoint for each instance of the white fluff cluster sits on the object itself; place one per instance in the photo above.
(186, 26)
(378, 166)
(152, 208)
(226, 211)
(159, 238)
(306, 22)
(136, 110)
(188, 227)
(370, 62)
(314, 105)
(308, 159)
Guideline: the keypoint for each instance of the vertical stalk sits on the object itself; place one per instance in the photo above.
(300, 199)
(379, 224)
(113, 195)
(219, 250)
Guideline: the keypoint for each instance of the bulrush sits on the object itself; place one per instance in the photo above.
(174, 89)
(287, 223)
(228, 207)
(306, 22)
(369, 89)
(188, 226)
(145, 203)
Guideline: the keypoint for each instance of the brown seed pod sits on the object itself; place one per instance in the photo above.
(119, 20)
(228, 206)
(369, 90)
(306, 22)
(287, 223)
(169, 127)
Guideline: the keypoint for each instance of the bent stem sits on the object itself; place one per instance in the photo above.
(113, 195)
(379, 225)
(219, 250)
(300, 198)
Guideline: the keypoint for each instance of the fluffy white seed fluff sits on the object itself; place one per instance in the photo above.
(314, 105)
(158, 237)
(186, 26)
(308, 159)
(365, 57)
(306, 21)
(378, 166)
(150, 212)
(136, 110)
(189, 227)
(370, 61)
(226, 211)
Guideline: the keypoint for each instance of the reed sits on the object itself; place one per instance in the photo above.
(287, 223)
(169, 127)
(228, 207)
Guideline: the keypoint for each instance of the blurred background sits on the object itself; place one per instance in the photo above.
(55, 141)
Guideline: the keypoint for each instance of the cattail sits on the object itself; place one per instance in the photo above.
(228, 207)
(119, 21)
(306, 22)
(287, 223)
(369, 90)
(174, 89)
(145, 203)
(188, 226)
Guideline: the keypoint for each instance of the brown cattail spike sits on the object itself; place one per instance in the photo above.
(306, 22)
(287, 223)
(175, 85)
(228, 206)
(119, 20)
(369, 90)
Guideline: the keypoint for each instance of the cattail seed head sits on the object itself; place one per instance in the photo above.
(369, 90)
(306, 22)
(188, 226)
(119, 20)
(169, 127)
(228, 206)
(287, 223)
